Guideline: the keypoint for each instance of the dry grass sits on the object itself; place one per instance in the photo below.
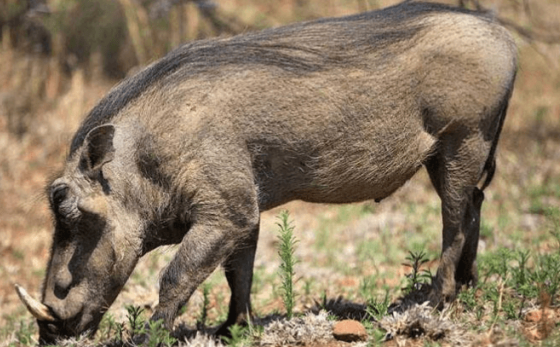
(354, 251)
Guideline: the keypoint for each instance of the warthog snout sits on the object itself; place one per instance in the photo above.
(56, 321)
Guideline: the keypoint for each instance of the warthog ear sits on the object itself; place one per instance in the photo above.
(98, 149)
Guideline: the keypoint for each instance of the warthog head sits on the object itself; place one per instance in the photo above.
(95, 247)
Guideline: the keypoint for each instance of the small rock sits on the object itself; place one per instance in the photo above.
(537, 315)
(349, 331)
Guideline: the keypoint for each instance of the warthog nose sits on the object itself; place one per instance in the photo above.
(62, 283)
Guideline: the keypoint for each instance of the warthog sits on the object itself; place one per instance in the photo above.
(191, 150)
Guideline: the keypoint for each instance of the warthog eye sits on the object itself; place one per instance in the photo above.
(58, 194)
(63, 204)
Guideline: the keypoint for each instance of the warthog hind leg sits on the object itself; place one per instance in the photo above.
(455, 170)
(466, 273)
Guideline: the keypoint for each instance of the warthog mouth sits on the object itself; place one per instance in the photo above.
(52, 327)
(52, 332)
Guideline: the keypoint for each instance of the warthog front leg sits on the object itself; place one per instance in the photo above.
(239, 273)
(455, 170)
(202, 250)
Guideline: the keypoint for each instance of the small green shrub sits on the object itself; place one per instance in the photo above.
(286, 249)
(135, 321)
(201, 321)
(418, 277)
(238, 335)
(158, 336)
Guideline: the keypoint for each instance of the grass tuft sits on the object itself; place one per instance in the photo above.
(377, 309)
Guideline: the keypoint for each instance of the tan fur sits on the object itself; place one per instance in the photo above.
(195, 146)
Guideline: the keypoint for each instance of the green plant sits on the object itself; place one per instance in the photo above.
(135, 321)
(149, 333)
(377, 309)
(496, 263)
(24, 334)
(324, 300)
(107, 325)
(201, 321)
(238, 334)
(520, 278)
(417, 278)
(520, 273)
(158, 335)
(120, 331)
(286, 249)
(510, 310)
(377, 335)
(546, 274)
(468, 298)
(491, 293)
(254, 332)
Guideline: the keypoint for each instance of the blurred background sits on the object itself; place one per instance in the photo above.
(59, 57)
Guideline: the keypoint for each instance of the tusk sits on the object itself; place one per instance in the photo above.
(37, 309)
